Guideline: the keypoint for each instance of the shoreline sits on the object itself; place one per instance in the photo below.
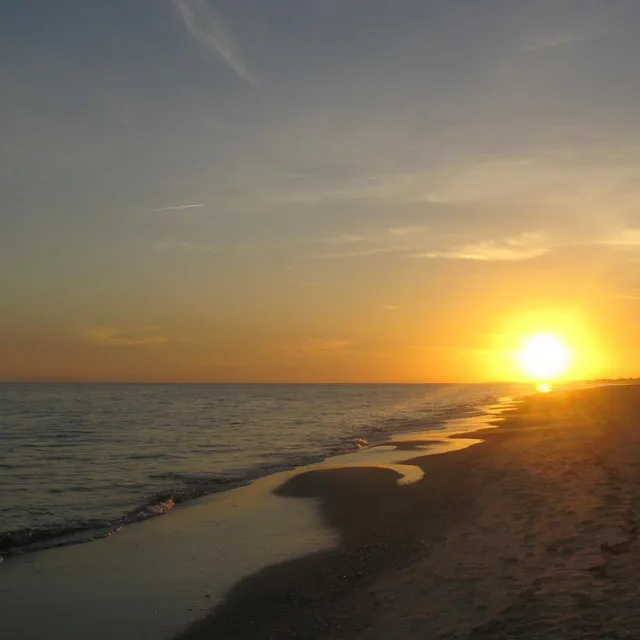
(190, 487)
(529, 534)
(153, 579)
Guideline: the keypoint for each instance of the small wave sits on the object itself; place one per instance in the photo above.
(23, 540)
(146, 456)
(26, 540)
(70, 435)
(163, 505)
(197, 478)
(78, 489)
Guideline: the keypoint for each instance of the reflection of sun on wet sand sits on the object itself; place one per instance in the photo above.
(399, 454)
(532, 534)
(395, 456)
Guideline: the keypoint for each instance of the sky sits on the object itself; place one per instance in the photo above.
(317, 190)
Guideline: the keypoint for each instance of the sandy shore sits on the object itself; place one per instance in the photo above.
(531, 534)
(153, 579)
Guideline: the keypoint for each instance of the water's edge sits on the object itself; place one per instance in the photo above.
(154, 579)
(187, 488)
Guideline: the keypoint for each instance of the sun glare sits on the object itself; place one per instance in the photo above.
(543, 356)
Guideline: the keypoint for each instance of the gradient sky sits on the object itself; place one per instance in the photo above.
(316, 190)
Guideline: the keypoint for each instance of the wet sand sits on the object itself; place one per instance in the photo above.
(530, 534)
(152, 579)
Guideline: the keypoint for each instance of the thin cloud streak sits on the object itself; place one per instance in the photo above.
(107, 336)
(205, 24)
(524, 247)
(406, 231)
(629, 297)
(311, 347)
(360, 254)
(177, 207)
(627, 238)
(558, 41)
(346, 238)
(176, 244)
(405, 188)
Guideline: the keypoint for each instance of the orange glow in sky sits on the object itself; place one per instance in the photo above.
(317, 202)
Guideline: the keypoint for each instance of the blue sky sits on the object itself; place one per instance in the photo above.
(208, 189)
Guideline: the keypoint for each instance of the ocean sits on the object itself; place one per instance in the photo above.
(80, 461)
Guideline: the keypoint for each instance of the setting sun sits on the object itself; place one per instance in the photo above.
(543, 356)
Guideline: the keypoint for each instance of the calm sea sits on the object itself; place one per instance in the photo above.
(80, 460)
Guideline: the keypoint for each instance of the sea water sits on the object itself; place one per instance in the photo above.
(79, 461)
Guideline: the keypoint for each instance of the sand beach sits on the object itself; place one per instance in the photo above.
(530, 534)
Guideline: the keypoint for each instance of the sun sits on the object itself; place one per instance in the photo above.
(543, 356)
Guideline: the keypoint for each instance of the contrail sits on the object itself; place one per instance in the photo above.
(205, 24)
(177, 207)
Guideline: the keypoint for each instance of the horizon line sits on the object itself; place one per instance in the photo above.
(300, 382)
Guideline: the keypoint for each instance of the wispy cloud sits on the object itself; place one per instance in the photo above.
(374, 242)
(523, 247)
(177, 207)
(176, 244)
(562, 177)
(635, 297)
(205, 24)
(346, 238)
(105, 335)
(362, 253)
(406, 231)
(311, 347)
(555, 41)
(629, 238)
(404, 188)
